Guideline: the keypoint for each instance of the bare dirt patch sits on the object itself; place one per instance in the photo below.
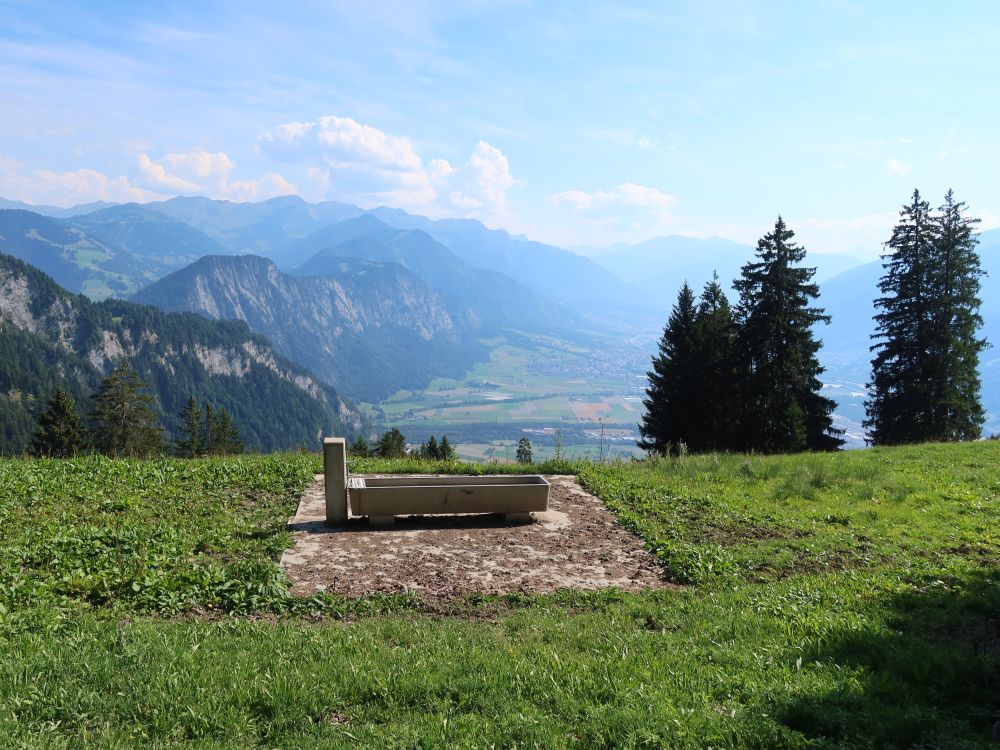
(577, 544)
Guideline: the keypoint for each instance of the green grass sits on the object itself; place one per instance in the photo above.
(846, 600)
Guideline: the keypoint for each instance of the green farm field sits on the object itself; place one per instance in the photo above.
(847, 600)
(542, 386)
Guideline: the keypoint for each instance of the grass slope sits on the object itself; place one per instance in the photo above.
(846, 600)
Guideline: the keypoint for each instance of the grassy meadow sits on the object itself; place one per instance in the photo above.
(849, 600)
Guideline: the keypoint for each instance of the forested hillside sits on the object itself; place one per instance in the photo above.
(50, 337)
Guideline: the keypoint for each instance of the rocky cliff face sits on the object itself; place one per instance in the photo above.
(369, 328)
(178, 355)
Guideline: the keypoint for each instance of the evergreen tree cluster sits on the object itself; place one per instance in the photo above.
(747, 379)
(744, 379)
(925, 372)
(435, 451)
(123, 422)
(206, 432)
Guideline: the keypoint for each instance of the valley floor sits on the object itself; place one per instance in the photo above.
(836, 601)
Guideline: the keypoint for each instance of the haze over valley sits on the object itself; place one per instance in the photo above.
(433, 326)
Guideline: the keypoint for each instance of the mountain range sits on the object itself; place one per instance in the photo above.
(50, 337)
(374, 301)
(371, 328)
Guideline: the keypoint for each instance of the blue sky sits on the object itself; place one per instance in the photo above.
(576, 123)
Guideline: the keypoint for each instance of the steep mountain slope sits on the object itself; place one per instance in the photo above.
(552, 272)
(370, 328)
(496, 299)
(49, 336)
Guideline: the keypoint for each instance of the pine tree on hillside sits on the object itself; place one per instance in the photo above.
(958, 413)
(124, 422)
(189, 443)
(446, 449)
(781, 406)
(360, 447)
(432, 451)
(523, 454)
(225, 436)
(671, 413)
(713, 337)
(60, 432)
(392, 444)
(925, 383)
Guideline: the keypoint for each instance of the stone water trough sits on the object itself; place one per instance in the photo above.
(383, 498)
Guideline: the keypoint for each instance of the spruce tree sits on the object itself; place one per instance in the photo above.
(713, 338)
(189, 444)
(432, 451)
(219, 436)
(360, 447)
(958, 412)
(124, 421)
(671, 415)
(781, 406)
(925, 383)
(524, 451)
(392, 444)
(60, 432)
(446, 449)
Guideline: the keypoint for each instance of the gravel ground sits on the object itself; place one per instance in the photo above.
(576, 544)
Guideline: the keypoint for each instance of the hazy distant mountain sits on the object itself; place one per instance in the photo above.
(76, 259)
(659, 266)
(50, 337)
(257, 228)
(496, 299)
(159, 241)
(370, 328)
(562, 276)
(56, 211)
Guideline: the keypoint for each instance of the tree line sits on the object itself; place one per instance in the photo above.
(123, 422)
(747, 377)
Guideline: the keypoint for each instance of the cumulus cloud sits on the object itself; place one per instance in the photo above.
(360, 160)
(350, 161)
(43, 186)
(205, 173)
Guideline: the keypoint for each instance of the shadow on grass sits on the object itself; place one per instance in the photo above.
(930, 678)
(415, 523)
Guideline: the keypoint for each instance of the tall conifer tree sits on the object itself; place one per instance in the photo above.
(781, 406)
(713, 338)
(671, 414)
(925, 383)
(189, 444)
(60, 432)
(124, 421)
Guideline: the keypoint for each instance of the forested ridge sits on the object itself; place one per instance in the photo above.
(49, 337)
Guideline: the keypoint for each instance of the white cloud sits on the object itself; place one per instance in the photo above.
(43, 186)
(625, 195)
(205, 173)
(626, 213)
(896, 167)
(362, 162)
(350, 161)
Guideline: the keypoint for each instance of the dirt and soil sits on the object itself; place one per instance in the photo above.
(576, 544)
